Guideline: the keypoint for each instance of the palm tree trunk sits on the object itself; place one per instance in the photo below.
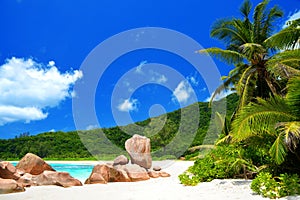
(271, 86)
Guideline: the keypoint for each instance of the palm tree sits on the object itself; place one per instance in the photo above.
(251, 48)
(278, 117)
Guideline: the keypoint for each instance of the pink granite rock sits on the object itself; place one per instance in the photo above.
(56, 178)
(136, 172)
(9, 186)
(33, 164)
(8, 171)
(139, 150)
(121, 160)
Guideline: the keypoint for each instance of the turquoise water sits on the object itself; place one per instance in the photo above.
(78, 171)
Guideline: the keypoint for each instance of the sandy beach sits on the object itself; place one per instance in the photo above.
(153, 189)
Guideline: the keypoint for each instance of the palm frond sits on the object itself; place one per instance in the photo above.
(284, 65)
(289, 58)
(227, 56)
(225, 30)
(259, 17)
(220, 120)
(274, 13)
(291, 132)
(293, 95)
(243, 88)
(280, 71)
(227, 84)
(222, 123)
(238, 70)
(258, 118)
(245, 8)
(278, 151)
(244, 79)
(244, 28)
(287, 38)
(224, 140)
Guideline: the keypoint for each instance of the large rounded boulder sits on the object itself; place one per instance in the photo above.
(33, 164)
(8, 171)
(9, 186)
(139, 150)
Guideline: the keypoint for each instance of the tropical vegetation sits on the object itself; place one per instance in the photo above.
(276, 187)
(265, 127)
(260, 130)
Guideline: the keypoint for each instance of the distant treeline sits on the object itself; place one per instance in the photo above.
(68, 145)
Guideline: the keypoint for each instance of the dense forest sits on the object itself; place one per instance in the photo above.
(68, 145)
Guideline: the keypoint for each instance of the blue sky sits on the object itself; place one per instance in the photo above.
(44, 44)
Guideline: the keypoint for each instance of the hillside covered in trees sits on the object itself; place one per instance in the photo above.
(68, 145)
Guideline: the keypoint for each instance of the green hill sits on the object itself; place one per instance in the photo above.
(163, 132)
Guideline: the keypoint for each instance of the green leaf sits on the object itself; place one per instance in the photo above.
(227, 56)
(287, 38)
(278, 150)
(260, 118)
(293, 95)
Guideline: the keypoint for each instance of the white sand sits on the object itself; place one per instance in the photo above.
(153, 189)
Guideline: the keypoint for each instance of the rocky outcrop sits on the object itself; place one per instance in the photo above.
(121, 160)
(9, 186)
(121, 176)
(156, 168)
(8, 171)
(105, 173)
(27, 180)
(33, 164)
(32, 171)
(156, 174)
(48, 178)
(164, 174)
(136, 173)
(153, 174)
(138, 148)
(56, 178)
(99, 175)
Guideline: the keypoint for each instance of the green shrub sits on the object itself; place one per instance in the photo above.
(222, 162)
(275, 187)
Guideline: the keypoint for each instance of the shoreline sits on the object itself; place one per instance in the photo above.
(155, 188)
(67, 161)
(164, 163)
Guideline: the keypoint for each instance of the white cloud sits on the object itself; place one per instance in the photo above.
(182, 92)
(159, 78)
(294, 16)
(128, 105)
(14, 113)
(27, 88)
(221, 95)
(91, 127)
(139, 67)
(193, 80)
(51, 63)
(52, 131)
